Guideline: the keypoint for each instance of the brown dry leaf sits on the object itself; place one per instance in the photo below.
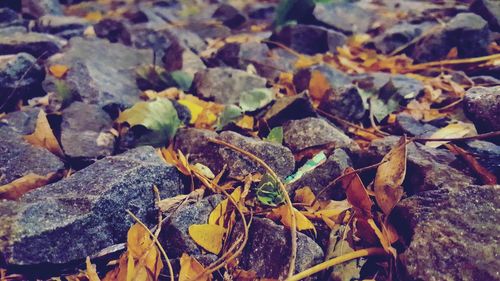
(58, 70)
(191, 269)
(20, 186)
(208, 236)
(486, 176)
(306, 196)
(384, 240)
(91, 271)
(390, 176)
(455, 130)
(302, 222)
(168, 204)
(318, 85)
(43, 136)
(356, 192)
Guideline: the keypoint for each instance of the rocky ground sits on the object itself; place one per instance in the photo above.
(235, 132)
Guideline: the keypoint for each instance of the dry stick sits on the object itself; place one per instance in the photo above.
(165, 256)
(293, 227)
(338, 260)
(340, 120)
(284, 47)
(456, 61)
(476, 137)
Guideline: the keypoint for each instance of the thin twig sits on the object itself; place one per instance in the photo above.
(455, 61)
(372, 120)
(293, 227)
(338, 260)
(347, 123)
(476, 137)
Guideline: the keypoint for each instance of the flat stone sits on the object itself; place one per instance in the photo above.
(489, 10)
(84, 138)
(84, 213)
(412, 127)
(346, 17)
(345, 102)
(268, 249)
(452, 234)
(107, 77)
(22, 121)
(309, 132)
(62, 26)
(113, 30)
(38, 45)
(176, 57)
(19, 158)
(482, 106)
(225, 85)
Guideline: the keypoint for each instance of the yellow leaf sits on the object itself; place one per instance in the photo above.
(143, 255)
(307, 61)
(306, 196)
(219, 213)
(43, 136)
(303, 223)
(58, 70)
(93, 16)
(318, 85)
(246, 122)
(20, 186)
(91, 271)
(208, 236)
(191, 269)
(389, 177)
(168, 204)
(455, 130)
(194, 108)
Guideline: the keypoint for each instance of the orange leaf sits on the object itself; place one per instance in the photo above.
(356, 192)
(486, 176)
(58, 70)
(302, 222)
(91, 271)
(20, 186)
(43, 136)
(191, 269)
(318, 85)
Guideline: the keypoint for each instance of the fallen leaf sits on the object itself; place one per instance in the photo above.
(58, 70)
(22, 185)
(168, 204)
(43, 136)
(194, 109)
(486, 176)
(91, 271)
(268, 192)
(231, 114)
(191, 269)
(208, 236)
(246, 122)
(219, 213)
(302, 222)
(275, 135)
(318, 85)
(390, 176)
(255, 99)
(454, 130)
(356, 192)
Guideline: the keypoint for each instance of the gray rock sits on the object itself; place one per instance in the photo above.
(38, 45)
(195, 143)
(38, 8)
(208, 30)
(107, 77)
(309, 39)
(489, 10)
(268, 249)
(19, 158)
(336, 77)
(345, 102)
(113, 30)
(225, 85)
(484, 80)
(322, 175)
(20, 79)
(403, 87)
(487, 153)
(289, 108)
(180, 58)
(454, 233)
(482, 106)
(175, 237)
(84, 213)
(309, 132)
(346, 17)
(22, 121)
(229, 16)
(9, 17)
(399, 35)
(412, 127)
(84, 138)
(62, 26)
(7, 31)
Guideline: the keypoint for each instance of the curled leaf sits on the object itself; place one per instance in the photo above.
(20, 186)
(356, 192)
(191, 269)
(268, 192)
(43, 136)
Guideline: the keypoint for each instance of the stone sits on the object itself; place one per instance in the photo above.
(336, 78)
(467, 32)
(451, 234)
(289, 108)
(371, 82)
(398, 36)
(36, 44)
(83, 138)
(268, 249)
(175, 237)
(113, 30)
(225, 85)
(345, 102)
(412, 127)
(310, 132)
(346, 17)
(309, 39)
(196, 144)
(322, 175)
(22, 121)
(9, 17)
(38, 8)
(261, 11)
(62, 26)
(403, 87)
(427, 168)
(18, 158)
(20, 79)
(229, 16)
(7, 31)
(208, 30)
(489, 10)
(485, 80)
(482, 106)
(107, 76)
(80, 215)
(487, 153)
(180, 58)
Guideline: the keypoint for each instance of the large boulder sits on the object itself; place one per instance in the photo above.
(84, 213)
(453, 233)
(482, 106)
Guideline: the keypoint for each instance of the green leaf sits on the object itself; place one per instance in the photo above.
(158, 116)
(268, 191)
(255, 99)
(275, 135)
(183, 80)
(230, 114)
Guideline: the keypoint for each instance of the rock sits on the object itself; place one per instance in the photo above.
(278, 157)
(225, 85)
(345, 102)
(371, 82)
(454, 233)
(309, 39)
(412, 127)
(208, 30)
(174, 235)
(268, 249)
(62, 26)
(113, 30)
(289, 108)
(9, 17)
(336, 78)
(229, 16)
(38, 45)
(22, 121)
(7, 31)
(489, 10)
(482, 106)
(427, 168)
(487, 153)
(261, 11)
(19, 158)
(20, 79)
(398, 36)
(346, 17)
(84, 213)
(177, 57)
(484, 80)
(309, 132)
(38, 8)
(403, 87)
(86, 139)
(195, 143)
(322, 175)
(107, 77)
(467, 32)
